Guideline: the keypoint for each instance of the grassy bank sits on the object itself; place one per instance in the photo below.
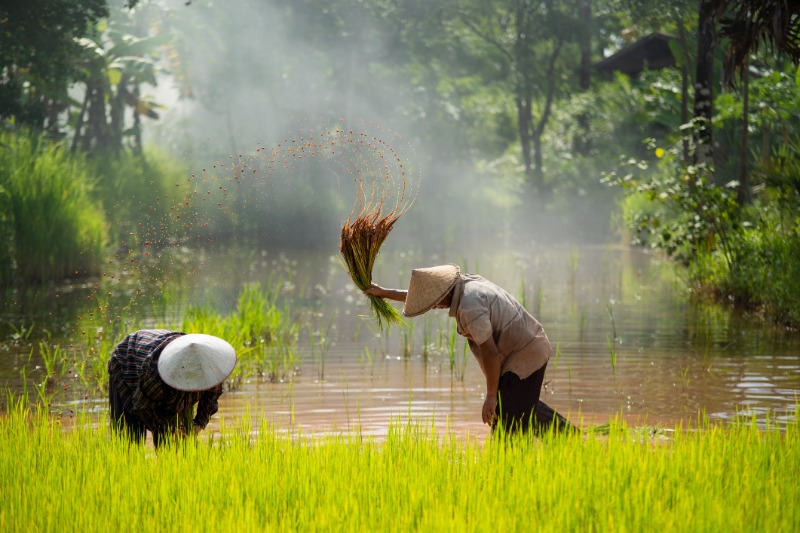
(61, 214)
(747, 254)
(51, 225)
(763, 272)
(738, 478)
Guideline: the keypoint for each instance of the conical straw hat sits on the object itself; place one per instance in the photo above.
(428, 286)
(196, 362)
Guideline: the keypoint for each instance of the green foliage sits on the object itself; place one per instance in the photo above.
(38, 54)
(748, 255)
(137, 193)
(264, 335)
(766, 271)
(684, 213)
(52, 226)
(117, 60)
(711, 478)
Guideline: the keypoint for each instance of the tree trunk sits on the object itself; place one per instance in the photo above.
(585, 42)
(79, 122)
(538, 130)
(117, 115)
(137, 123)
(684, 85)
(704, 75)
(743, 192)
(96, 134)
(581, 141)
(524, 127)
(538, 171)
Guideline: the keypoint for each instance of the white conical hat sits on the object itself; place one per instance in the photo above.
(428, 286)
(196, 362)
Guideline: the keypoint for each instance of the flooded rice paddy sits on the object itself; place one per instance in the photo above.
(628, 341)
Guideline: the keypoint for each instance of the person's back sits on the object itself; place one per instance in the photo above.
(157, 376)
(509, 344)
(482, 308)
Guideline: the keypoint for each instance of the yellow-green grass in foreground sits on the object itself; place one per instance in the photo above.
(741, 478)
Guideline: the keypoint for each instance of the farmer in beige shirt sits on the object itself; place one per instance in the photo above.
(509, 344)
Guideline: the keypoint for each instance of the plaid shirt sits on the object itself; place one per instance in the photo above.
(133, 367)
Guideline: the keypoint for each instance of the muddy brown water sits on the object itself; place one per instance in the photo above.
(628, 342)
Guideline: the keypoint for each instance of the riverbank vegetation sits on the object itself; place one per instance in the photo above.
(527, 104)
(75, 476)
(737, 246)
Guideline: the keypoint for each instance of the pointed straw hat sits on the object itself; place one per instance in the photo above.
(196, 362)
(428, 286)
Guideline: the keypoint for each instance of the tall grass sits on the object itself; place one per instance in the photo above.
(137, 193)
(738, 478)
(50, 225)
(320, 341)
(263, 334)
(766, 274)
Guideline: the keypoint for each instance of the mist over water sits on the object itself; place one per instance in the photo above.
(265, 73)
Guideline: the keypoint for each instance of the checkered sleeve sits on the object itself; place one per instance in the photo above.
(208, 405)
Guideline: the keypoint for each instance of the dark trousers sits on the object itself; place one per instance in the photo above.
(122, 420)
(519, 408)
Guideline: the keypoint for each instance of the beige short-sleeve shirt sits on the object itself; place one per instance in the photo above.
(482, 309)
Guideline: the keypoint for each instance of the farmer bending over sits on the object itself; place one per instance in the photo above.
(509, 344)
(156, 376)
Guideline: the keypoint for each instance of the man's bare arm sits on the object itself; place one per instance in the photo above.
(490, 363)
(389, 294)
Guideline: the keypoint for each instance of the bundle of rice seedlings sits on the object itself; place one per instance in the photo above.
(362, 236)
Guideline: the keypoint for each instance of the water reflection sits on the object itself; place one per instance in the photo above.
(628, 342)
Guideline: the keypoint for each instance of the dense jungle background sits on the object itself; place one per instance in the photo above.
(672, 125)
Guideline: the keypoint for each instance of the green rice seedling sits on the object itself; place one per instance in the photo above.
(583, 325)
(283, 360)
(44, 392)
(363, 235)
(257, 313)
(53, 360)
(708, 478)
(357, 331)
(610, 308)
(21, 332)
(521, 296)
(613, 352)
(408, 339)
(573, 267)
(320, 341)
(451, 347)
(685, 378)
(426, 338)
(555, 358)
(462, 371)
(366, 356)
(96, 341)
(97, 377)
(264, 335)
(539, 297)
